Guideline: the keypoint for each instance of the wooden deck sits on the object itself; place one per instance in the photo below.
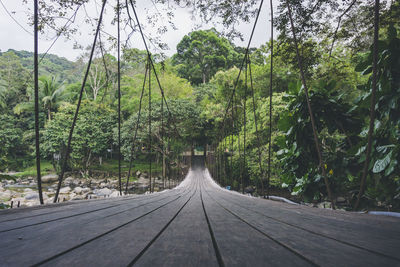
(195, 224)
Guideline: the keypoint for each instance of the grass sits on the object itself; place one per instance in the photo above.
(45, 168)
(109, 165)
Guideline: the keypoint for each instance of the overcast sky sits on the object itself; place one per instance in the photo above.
(15, 37)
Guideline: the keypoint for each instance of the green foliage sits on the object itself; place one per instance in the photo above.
(92, 135)
(12, 142)
(184, 125)
(201, 54)
(335, 125)
(384, 182)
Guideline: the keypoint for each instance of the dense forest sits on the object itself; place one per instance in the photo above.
(198, 82)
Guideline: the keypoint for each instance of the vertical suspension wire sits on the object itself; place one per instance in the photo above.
(239, 148)
(315, 134)
(232, 134)
(66, 156)
(150, 143)
(162, 143)
(218, 163)
(270, 99)
(261, 179)
(137, 127)
(119, 99)
(224, 159)
(36, 81)
(244, 171)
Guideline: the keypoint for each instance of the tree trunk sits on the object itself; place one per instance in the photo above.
(372, 107)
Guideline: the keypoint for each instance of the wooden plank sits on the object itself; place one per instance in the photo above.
(55, 237)
(378, 236)
(121, 246)
(241, 245)
(186, 242)
(319, 249)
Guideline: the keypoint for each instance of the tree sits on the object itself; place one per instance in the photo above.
(12, 143)
(92, 136)
(51, 93)
(13, 80)
(200, 54)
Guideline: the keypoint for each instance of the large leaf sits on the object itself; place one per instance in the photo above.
(381, 164)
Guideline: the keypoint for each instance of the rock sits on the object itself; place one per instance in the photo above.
(69, 181)
(5, 196)
(142, 180)
(78, 190)
(26, 190)
(340, 199)
(324, 205)
(115, 194)
(65, 190)
(50, 178)
(86, 190)
(103, 192)
(32, 196)
(81, 197)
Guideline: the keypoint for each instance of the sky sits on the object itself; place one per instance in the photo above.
(13, 36)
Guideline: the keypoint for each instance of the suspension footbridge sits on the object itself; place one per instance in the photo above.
(195, 224)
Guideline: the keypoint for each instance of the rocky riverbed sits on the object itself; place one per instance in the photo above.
(23, 191)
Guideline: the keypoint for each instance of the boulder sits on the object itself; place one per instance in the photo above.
(340, 199)
(324, 205)
(103, 192)
(69, 181)
(80, 197)
(50, 178)
(32, 196)
(86, 190)
(65, 190)
(5, 196)
(115, 194)
(78, 190)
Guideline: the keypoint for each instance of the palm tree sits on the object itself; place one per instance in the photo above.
(51, 93)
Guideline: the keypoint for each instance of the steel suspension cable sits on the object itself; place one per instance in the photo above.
(162, 143)
(137, 127)
(119, 98)
(238, 135)
(257, 132)
(152, 63)
(64, 165)
(243, 61)
(244, 128)
(233, 132)
(303, 79)
(150, 143)
(36, 78)
(270, 100)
